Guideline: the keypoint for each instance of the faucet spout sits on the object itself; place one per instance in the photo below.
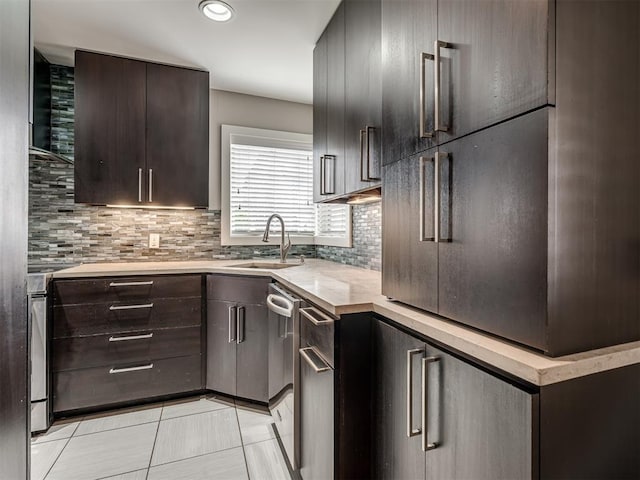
(284, 246)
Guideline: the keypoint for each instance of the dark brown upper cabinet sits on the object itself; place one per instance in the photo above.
(453, 67)
(363, 95)
(328, 110)
(141, 133)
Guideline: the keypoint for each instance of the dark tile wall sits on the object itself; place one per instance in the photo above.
(63, 232)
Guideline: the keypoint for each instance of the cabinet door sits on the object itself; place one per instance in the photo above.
(252, 375)
(319, 114)
(408, 31)
(397, 455)
(221, 347)
(483, 427)
(363, 94)
(109, 150)
(493, 205)
(177, 136)
(409, 258)
(498, 64)
(335, 103)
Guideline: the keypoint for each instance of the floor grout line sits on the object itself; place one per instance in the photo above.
(155, 439)
(244, 453)
(196, 456)
(57, 458)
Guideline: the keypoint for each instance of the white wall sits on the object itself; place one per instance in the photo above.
(230, 108)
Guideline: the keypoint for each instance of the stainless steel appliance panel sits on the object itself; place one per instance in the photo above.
(284, 369)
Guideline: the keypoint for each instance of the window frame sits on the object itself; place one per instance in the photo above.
(226, 239)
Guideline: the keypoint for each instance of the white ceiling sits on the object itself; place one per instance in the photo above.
(265, 50)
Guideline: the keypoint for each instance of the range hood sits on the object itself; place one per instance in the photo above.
(40, 131)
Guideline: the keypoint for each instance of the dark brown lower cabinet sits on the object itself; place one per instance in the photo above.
(238, 337)
(122, 339)
(463, 422)
(438, 416)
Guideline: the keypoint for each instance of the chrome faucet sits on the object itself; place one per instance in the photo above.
(284, 247)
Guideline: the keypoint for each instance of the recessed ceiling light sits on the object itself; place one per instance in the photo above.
(216, 10)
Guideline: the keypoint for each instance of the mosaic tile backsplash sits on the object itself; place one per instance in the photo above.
(63, 232)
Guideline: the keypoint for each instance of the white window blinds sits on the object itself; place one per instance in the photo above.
(266, 172)
(266, 180)
(331, 220)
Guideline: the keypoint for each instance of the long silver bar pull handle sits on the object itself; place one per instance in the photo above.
(437, 45)
(423, 196)
(331, 168)
(322, 188)
(240, 327)
(130, 337)
(411, 432)
(131, 369)
(426, 446)
(232, 324)
(130, 307)
(436, 197)
(150, 185)
(139, 185)
(363, 177)
(130, 284)
(423, 107)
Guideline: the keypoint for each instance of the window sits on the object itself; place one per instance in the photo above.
(265, 172)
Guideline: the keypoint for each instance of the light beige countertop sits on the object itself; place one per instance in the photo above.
(342, 289)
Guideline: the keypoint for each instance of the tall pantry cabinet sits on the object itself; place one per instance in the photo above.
(510, 191)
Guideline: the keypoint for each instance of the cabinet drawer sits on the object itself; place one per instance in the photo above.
(92, 387)
(125, 289)
(102, 318)
(123, 349)
(246, 290)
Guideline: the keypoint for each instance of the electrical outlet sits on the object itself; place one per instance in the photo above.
(154, 240)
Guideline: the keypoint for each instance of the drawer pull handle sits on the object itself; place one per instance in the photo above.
(316, 316)
(324, 367)
(131, 337)
(130, 307)
(131, 369)
(130, 284)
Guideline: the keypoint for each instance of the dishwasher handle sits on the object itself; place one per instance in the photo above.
(280, 305)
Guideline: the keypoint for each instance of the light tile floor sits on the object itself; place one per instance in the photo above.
(203, 437)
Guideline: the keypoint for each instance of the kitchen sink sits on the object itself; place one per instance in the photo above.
(265, 265)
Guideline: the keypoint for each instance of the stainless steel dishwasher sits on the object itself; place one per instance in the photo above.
(317, 335)
(284, 396)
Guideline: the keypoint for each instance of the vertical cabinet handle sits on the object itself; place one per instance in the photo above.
(240, 322)
(330, 170)
(363, 133)
(232, 324)
(423, 197)
(139, 185)
(423, 107)
(322, 188)
(150, 185)
(411, 432)
(437, 45)
(426, 446)
(436, 197)
(365, 155)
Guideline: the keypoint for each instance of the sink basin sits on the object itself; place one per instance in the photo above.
(265, 265)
